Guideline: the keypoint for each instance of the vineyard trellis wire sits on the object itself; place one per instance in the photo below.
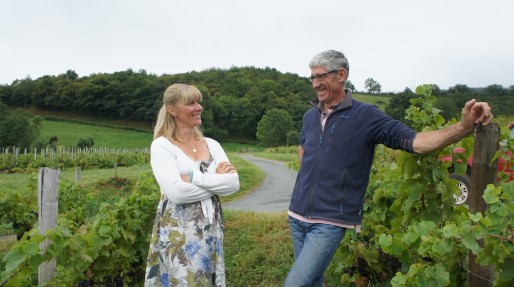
(69, 150)
(15, 159)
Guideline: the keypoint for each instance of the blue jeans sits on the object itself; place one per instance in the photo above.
(314, 247)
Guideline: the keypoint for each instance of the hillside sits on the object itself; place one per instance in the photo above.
(69, 127)
(234, 100)
(69, 132)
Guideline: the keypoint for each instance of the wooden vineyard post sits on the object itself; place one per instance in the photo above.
(77, 173)
(484, 172)
(48, 190)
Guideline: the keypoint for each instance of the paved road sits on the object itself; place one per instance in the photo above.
(275, 192)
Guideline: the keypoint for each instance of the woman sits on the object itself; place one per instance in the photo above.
(186, 248)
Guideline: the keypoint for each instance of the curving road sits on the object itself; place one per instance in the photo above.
(275, 192)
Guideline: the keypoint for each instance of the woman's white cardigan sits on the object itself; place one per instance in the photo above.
(169, 162)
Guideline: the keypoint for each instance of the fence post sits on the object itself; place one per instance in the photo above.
(77, 173)
(48, 189)
(484, 172)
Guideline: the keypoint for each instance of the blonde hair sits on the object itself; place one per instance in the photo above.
(165, 125)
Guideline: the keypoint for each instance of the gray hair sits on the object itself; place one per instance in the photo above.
(331, 60)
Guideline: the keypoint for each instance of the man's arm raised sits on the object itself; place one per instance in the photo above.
(473, 113)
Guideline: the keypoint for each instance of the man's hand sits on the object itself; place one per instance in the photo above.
(475, 113)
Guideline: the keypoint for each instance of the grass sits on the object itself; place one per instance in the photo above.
(241, 147)
(68, 134)
(258, 248)
(73, 117)
(19, 181)
(250, 177)
(283, 157)
(6, 241)
(380, 101)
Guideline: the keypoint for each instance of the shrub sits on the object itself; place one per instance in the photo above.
(85, 142)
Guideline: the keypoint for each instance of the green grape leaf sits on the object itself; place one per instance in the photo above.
(31, 248)
(476, 217)
(442, 248)
(450, 231)
(13, 259)
(490, 198)
(471, 243)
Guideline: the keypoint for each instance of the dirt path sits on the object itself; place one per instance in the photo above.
(275, 192)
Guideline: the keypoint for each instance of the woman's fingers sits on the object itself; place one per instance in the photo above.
(225, 167)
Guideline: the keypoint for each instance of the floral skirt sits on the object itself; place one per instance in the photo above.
(185, 250)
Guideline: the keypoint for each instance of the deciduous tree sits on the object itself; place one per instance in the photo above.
(372, 86)
(19, 129)
(272, 129)
(349, 85)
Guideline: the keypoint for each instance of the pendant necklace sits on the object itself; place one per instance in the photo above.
(192, 148)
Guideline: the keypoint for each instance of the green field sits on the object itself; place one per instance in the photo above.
(68, 134)
(106, 133)
(380, 101)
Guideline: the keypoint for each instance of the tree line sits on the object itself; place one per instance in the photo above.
(451, 101)
(235, 99)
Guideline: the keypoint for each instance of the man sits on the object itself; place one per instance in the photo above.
(336, 152)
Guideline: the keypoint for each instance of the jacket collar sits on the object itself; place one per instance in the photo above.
(345, 103)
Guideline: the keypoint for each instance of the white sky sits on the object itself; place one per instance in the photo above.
(399, 43)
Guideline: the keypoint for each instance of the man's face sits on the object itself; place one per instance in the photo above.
(328, 84)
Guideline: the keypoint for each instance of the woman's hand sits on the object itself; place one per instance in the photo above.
(225, 167)
(186, 178)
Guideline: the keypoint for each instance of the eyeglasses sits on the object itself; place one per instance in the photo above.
(320, 77)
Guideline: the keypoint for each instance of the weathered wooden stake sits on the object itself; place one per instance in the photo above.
(77, 173)
(48, 190)
(484, 172)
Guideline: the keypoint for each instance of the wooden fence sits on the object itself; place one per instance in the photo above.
(68, 151)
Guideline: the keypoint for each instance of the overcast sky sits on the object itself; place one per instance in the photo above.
(399, 43)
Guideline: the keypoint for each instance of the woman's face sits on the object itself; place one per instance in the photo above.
(187, 114)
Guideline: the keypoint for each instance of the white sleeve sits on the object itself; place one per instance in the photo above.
(164, 165)
(220, 184)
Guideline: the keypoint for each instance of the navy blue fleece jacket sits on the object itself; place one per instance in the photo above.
(336, 163)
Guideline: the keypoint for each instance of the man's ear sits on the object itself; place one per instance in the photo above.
(343, 75)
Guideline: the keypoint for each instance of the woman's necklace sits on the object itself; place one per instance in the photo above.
(192, 148)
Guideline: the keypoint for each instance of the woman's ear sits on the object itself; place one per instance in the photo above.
(171, 111)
